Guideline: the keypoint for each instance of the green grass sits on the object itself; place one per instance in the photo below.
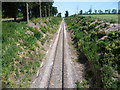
(14, 63)
(111, 18)
(21, 54)
(81, 85)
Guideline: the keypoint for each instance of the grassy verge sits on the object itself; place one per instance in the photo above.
(111, 18)
(22, 50)
(101, 51)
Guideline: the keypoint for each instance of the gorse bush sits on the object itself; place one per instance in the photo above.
(101, 49)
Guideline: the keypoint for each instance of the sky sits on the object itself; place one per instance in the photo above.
(74, 6)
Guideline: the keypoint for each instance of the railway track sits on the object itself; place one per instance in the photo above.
(56, 75)
(57, 70)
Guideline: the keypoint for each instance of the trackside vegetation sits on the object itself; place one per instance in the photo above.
(23, 49)
(101, 51)
(110, 18)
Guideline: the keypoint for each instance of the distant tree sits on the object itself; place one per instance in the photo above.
(114, 11)
(59, 15)
(54, 11)
(109, 11)
(100, 11)
(81, 12)
(66, 14)
(90, 11)
(119, 11)
(106, 11)
(95, 11)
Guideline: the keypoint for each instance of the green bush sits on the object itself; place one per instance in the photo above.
(43, 29)
(38, 35)
(102, 55)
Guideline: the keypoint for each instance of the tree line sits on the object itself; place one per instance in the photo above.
(107, 11)
(28, 9)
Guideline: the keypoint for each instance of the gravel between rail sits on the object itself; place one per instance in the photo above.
(57, 70)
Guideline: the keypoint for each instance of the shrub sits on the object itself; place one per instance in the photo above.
(102, 54)
(43, 29)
